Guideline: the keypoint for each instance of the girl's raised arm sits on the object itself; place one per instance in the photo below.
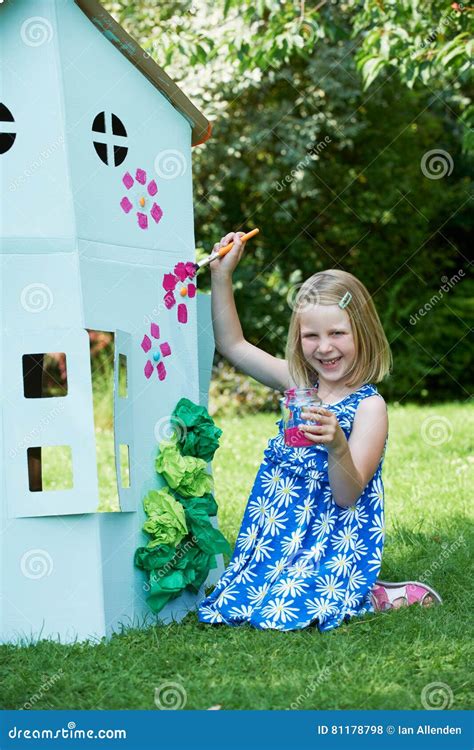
(228, 334)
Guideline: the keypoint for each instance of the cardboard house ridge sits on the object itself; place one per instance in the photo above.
(96, 210)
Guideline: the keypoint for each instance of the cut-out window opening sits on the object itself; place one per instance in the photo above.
(109, 133)
(122, 376)
(7, 129)
(45, 375)
(124, 458)
(53, 471)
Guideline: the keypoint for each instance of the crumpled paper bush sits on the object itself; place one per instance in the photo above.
(185, 474)
(166, 521)
(200, 437)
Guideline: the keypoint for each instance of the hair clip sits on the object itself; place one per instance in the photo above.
(345, 300)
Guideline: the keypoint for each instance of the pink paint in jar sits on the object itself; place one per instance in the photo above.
(294, 401)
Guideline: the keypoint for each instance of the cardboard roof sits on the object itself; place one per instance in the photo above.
(103, 21)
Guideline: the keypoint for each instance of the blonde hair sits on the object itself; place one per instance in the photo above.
(373, 358)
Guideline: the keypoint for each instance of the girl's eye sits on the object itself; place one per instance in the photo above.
(338, 333)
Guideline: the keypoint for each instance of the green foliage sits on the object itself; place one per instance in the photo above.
(324, 117)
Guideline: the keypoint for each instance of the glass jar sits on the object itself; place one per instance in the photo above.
(294, 401)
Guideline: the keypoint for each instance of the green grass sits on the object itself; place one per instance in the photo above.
(381, 661)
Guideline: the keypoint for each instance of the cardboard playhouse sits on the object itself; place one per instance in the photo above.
(96, 208)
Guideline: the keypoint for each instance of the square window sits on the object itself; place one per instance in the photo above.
(50, 468)
(44, 375)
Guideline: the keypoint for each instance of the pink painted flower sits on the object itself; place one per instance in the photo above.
(176, 285)
(141, 197)
(157, 352)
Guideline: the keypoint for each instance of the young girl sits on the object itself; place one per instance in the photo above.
(309, 549)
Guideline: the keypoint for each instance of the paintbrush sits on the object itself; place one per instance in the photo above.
(223, 250)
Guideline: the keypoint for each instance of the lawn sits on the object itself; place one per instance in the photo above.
(382, 661)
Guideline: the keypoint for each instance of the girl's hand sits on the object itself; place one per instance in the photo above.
(327, 431)
(226, 265)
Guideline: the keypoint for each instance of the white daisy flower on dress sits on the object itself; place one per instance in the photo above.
(341, 564)
(320, 608)
(317, 549)
(243, 611)
(275, 520)
(330, 587)
(210, 614)
(377, 529)
(289, 587)
(345, 539)
(300, 454)
(275, 570)
(279, 609)
(356, 579)
(247, 539)
(304, 512)
(238, 562)
(313, 480)
(325, 523)
(286, 491)
(256, 594)
(375, 562)
(376, 494)
(262, 549)
(245, 575)
(292, 543)
(350, 599)
(258, 508)
(356, 512)
(359, 550)
(271, 479)
(303, 566)
(226, 595)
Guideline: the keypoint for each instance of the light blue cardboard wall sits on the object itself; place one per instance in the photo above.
(71, 259)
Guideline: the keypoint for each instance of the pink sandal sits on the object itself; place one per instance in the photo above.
(385, 593)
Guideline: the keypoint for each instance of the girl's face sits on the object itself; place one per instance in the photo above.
(327, 341)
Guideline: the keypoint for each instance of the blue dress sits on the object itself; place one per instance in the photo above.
(299, 558)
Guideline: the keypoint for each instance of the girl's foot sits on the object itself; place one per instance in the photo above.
(387, 595)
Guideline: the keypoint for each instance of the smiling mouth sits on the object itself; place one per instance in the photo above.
(329, 361)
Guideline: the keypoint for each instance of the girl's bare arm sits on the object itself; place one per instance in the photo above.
(228, 334)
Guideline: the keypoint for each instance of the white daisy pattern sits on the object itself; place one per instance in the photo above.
(299, 558)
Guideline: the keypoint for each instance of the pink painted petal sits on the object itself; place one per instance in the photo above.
(182, 313)
(146, 343)
(142, 220)
(128, 180)
(161, 369)
(165, 349)
(152, 188)
(180, 271)
(169, 282)
(190, 270)
(140, 176)
(126, 205)
(148, 369)
(191, 290)
(169, 300)
(155, 331)
(156, 212)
